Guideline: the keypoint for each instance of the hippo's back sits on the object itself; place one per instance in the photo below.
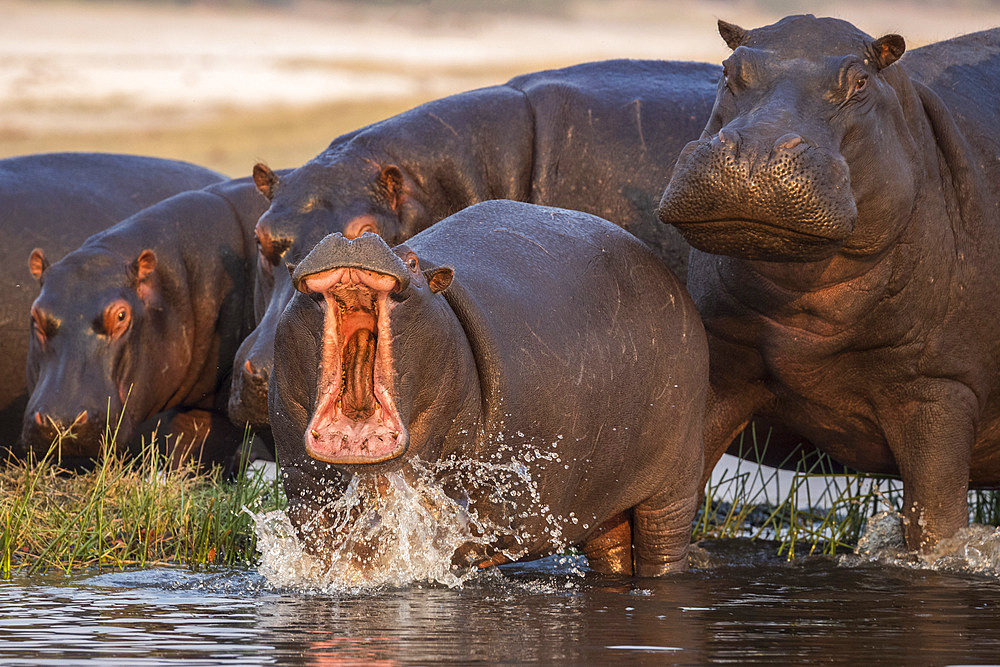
(581, 335)
(607, 134)
(564, 303)
(55, 201)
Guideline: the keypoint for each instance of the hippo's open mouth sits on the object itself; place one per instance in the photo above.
(355, 420)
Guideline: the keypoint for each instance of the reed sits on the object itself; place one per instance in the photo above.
(130, 511)
(821, 509)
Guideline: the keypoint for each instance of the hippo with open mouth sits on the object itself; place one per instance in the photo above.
(505, 323)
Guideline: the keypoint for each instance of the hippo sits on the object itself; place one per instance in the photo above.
(145, 318)
(842, 204)
(506, 322)
(595, 137)
(57, 200)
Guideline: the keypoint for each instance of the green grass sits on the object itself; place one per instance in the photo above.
(127, 512)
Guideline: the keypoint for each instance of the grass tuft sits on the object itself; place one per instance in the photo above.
(130, 511)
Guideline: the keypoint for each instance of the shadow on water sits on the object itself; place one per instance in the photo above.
(741, 604)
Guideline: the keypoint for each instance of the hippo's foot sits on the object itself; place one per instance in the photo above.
(609, 550)
(661, 534)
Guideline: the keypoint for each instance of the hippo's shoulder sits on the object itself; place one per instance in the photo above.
(515, 224)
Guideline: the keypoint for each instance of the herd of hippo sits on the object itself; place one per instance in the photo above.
(447, 279)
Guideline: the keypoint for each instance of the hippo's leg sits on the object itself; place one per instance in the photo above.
(661, 533)
(934, 453)
(609, 550)
(727, 413)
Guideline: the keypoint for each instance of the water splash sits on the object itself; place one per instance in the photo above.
(424, 523)
(973, 550)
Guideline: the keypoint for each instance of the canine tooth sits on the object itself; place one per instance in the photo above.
(314, 433)
(394, 434)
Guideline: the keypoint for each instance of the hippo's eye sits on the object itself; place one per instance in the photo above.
(861, 83)
(116, 319)
(412, 263)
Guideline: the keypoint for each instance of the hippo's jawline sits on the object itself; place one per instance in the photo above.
(355, 419)
(732, 226)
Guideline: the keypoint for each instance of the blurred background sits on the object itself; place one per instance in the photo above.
(226, 83)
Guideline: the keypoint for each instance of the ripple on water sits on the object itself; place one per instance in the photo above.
(972, 550)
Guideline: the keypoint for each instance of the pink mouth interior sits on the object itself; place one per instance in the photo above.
(355, 420)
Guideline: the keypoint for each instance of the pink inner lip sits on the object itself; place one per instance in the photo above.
(355, 420)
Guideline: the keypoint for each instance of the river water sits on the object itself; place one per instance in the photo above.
(741, 604)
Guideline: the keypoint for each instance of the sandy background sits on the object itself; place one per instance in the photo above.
(226, 84)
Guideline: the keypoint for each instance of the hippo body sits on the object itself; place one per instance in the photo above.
(844, 212)
(597, 137)
(557, 329)
(55, 201)
(143, 318)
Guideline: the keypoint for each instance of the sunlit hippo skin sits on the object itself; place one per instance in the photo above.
(143, 318)
(506, 322)
(57, 200)
(843, 210)
(597, 137)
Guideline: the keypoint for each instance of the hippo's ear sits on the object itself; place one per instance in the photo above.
(142, 270)
(37, 263)
(732, 34)
(392, 184)
(439, 278)
(884, 51)
(265, 180)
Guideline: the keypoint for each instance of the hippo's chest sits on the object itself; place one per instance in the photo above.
(823, 389)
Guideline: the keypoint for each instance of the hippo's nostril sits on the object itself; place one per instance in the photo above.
(788, 141)
(248, 367)
(39, 419)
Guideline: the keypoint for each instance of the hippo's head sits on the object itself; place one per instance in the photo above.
(326, 195)
(369, 294)
(805, 152)
(97, 356)
(363, 355)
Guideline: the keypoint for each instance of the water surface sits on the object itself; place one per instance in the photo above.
(744, 605)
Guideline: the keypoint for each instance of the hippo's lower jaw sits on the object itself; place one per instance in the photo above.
(355, 420)
(757, 240)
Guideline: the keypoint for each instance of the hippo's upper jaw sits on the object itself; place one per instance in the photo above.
(355, 420)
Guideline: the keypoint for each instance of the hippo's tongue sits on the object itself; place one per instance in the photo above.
(358, 402)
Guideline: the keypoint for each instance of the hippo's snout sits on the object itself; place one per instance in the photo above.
(772, 199)
(368, 252)
(251, 372)
(76, 437)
